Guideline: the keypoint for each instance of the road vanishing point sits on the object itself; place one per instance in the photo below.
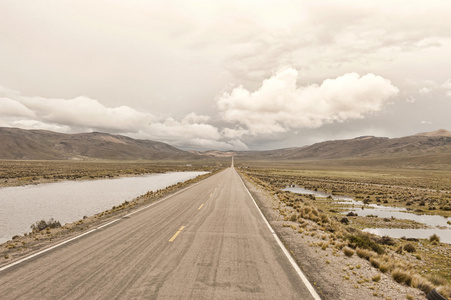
(209, 241)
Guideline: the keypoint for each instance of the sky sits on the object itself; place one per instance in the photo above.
(227, 75)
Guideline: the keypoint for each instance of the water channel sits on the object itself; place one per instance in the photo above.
(440, 224)
(70, 201)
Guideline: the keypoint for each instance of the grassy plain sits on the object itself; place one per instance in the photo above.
(415, 183)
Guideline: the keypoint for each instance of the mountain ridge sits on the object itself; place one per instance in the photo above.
(42, 145)
(25, 144)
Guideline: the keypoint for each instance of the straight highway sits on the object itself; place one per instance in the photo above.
(207, 242)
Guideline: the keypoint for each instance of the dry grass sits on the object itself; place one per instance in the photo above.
(402, 276)
(348, 251)
(421, 283)
(344, 236)
(445, 291)
(366, 254)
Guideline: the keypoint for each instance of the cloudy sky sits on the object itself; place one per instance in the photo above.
(227, 74)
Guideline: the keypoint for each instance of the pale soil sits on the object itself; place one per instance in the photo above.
(335, 276)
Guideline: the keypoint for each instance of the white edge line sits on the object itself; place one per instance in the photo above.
(92, 230)
(284, 249)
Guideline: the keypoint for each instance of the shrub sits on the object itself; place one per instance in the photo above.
(364, 241)
(409, 248)
(344, 220)
(41, 225)
(386, 240)
(348, 251)
(434, 238)
(376, 278)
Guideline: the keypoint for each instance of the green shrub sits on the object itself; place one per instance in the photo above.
(365, 242)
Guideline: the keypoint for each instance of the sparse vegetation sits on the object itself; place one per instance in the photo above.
(414, 259)
(41, 225)
(14, 173)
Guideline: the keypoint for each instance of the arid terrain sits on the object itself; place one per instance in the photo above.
(330, 245)
(319, 227)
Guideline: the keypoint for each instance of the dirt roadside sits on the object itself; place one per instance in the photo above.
(333, 274)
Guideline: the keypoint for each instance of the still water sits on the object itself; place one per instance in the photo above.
(70, 201)
(440, 224)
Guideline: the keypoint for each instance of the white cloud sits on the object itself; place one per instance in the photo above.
(9, 107)
(33, 124)
(279, 105)
(82, 114)
(447, 86)
(425, 90)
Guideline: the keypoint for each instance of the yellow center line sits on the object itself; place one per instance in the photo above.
(176, 234)
(200, 206)
(211, 195)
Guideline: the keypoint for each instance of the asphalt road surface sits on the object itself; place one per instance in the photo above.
(207, 242)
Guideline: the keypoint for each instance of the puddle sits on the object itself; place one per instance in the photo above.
(387, 212)
(444, 234)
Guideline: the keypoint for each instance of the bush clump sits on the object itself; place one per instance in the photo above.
(41, 225)
(348, 251)
(409, 248)
(366, 254)
(402, 276)
(421, 283)
(434, 238)
(364, 241)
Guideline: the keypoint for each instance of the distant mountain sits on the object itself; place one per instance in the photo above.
(40, 144)
(437, 142)
(440, 132)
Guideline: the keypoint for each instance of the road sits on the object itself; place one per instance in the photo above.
(207, 242)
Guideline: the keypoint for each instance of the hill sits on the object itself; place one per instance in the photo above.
(40, 144)
(437, 142)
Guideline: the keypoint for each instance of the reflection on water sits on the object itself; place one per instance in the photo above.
(445, 235)
(387, 212)
(299, 190)
(69, 201)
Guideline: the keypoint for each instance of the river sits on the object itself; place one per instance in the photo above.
(69, 201)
